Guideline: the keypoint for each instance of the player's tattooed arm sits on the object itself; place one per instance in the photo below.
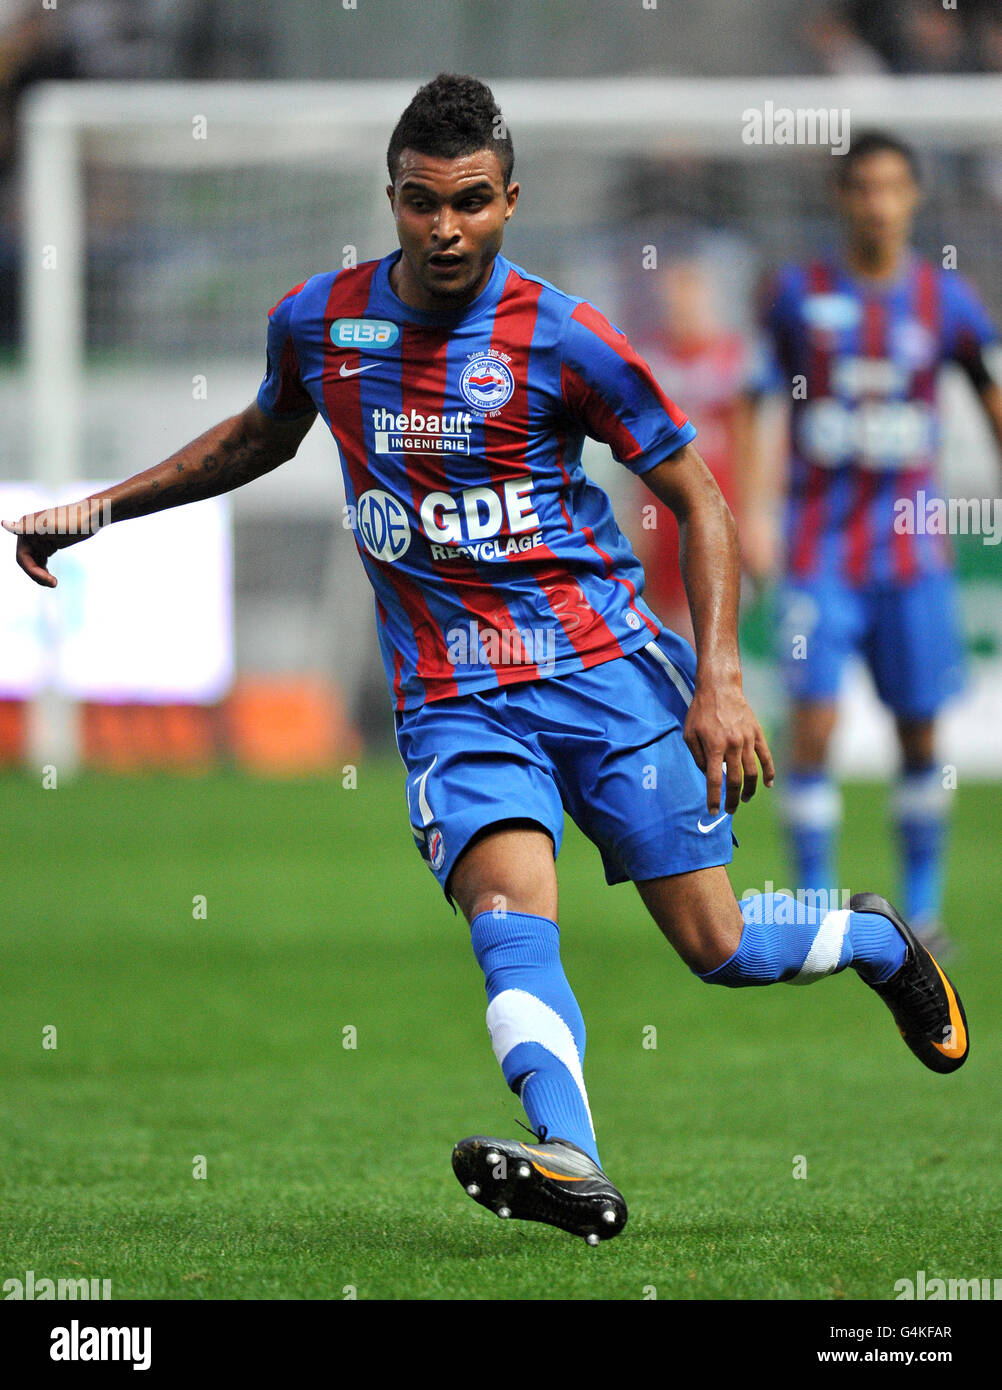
(229, 455)
(720, 729)
(232, 453)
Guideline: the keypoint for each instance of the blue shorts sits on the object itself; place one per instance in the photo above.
(908, 635)
(603, 744)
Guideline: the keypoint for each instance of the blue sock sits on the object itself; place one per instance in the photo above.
(812, 809)
(799, 941)
(536, 1027)
(920, 811)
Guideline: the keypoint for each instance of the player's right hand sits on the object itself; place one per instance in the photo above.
(40, 535)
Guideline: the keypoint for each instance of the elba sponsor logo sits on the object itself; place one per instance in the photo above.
(364, 333)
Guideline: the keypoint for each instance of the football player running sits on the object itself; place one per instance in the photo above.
(858, 340)
(527, 675)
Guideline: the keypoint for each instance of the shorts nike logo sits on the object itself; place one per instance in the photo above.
(354, 371)
(705, 829)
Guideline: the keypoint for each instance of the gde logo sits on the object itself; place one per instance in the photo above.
(487, 383)
(383, 524)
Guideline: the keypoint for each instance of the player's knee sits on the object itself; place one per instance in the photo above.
(813, 726)
(491, 900)
(710, 957)
(706, 941)
(918, 742)
(507, 871)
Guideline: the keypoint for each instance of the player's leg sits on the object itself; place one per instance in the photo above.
(505, 884)
(822, 622)
(645, 807)
(640, 795)
(781, 938)
(917, 662)
(767, 937)
(812, 802)
(920, 815)
(508, 865)
(488, 819)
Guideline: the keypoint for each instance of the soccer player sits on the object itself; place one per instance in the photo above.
(528, 676)
(857, 341)
(705, 365)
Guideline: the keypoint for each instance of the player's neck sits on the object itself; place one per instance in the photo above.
(406, 286)
(877, 263)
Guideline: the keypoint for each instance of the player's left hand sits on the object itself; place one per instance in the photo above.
(726, 739)
(41, 534)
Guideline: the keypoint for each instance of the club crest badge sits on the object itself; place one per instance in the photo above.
(487, 384)
(436, 848)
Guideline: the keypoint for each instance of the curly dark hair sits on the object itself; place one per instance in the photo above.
(451, 116)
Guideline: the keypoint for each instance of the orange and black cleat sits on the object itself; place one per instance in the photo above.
(553, 1181)
(925, 1005)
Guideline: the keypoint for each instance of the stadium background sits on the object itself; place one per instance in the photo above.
(275, 792)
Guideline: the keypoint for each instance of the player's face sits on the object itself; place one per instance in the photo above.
(450, 216)
(879, 200)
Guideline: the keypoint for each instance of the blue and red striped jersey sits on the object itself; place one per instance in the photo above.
(493, 557)
(861, 362)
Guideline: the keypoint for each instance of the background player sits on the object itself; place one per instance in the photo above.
(857, 340)
(527, 674)
(705, 365)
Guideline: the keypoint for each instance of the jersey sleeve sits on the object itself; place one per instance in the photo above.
(610, 390)
(968, 327)
(282, 395)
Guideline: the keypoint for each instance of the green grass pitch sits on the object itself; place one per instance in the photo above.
(221, 1037)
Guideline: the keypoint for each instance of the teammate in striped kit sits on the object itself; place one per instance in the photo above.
(528, 676)
(858, 341)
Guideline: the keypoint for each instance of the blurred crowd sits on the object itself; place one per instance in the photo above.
(858, 37)
(106, 40)
(239, 39)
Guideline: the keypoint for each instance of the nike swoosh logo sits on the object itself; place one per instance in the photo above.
(354, 371)
(712, 826)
